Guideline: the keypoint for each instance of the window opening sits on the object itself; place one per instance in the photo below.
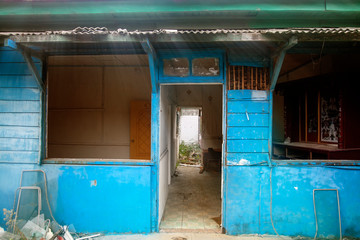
(315, 116)
(96, 109)
(243, 77)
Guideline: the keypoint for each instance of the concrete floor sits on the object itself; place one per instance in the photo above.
(190, 236)
(194, 201)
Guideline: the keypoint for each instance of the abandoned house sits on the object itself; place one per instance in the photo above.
(97, 109)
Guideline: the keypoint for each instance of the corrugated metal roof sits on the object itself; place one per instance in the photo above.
(120, 31)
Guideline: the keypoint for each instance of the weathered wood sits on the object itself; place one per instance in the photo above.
(242, 78)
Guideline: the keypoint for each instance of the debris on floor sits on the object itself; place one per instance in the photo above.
(22, 224)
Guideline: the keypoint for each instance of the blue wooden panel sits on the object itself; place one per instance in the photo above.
(247, 146)
(248, 106)
(16, 68)
(17, 81)
(242, 120)
(19, 132)
(247, 133)
(4, 49)
(19, 119)
(13, 57)
(19, 94)
(19, 157)
(120, 195)
(19, 144)
(255, 95)
(19, 106)
(246, 158)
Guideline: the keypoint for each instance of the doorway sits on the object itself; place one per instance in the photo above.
(190, 158)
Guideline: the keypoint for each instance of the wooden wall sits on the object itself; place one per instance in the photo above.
(89, 106)
(20, 109)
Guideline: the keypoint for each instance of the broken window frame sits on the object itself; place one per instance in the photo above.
(191, 55)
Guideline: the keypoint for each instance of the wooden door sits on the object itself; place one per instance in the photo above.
(140, 130)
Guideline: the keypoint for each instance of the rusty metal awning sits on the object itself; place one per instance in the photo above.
(256, 44)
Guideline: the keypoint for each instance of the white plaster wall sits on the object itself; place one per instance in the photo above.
(165, 149)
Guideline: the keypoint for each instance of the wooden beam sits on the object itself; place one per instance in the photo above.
(149, 49)
(27, 56)
(282, 52)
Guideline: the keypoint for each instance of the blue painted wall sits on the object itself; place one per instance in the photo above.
(247, 127)
(108, 198)
(19, 109)
(123, 198)
(248, 200)
(247, 193)
(112, 199)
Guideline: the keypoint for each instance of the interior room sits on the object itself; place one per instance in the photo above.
(316, 108)
(96, 109)
(190, 195)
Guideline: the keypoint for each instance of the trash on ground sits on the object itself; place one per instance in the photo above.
(38, 226)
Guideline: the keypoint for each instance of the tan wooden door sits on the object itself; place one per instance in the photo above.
(140, 130)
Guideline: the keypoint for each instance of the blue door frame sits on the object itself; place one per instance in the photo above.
(158, 79)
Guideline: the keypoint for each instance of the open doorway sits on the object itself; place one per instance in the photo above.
(190, 157)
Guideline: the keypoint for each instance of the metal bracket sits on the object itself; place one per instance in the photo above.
(280, 54)
(149, 49)
(27, 54)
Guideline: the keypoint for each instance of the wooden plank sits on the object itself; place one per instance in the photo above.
(299, 119)
(241, 120)
(248, 95)
(256, 73)
(248, 106)
(247, 133)
(19, 94)
(242, 78)
(16, 68)
(19, 132)
(228, 76)
(17, 81)
(248, 146)
(238, 77)
(20, 106)
(19, 119)
(233, 77)
(252, 77)
(318, 117)
(306, 117)
(89, 151)
(261, 78)
(16, 156)
(253, 158)
(19, 144)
